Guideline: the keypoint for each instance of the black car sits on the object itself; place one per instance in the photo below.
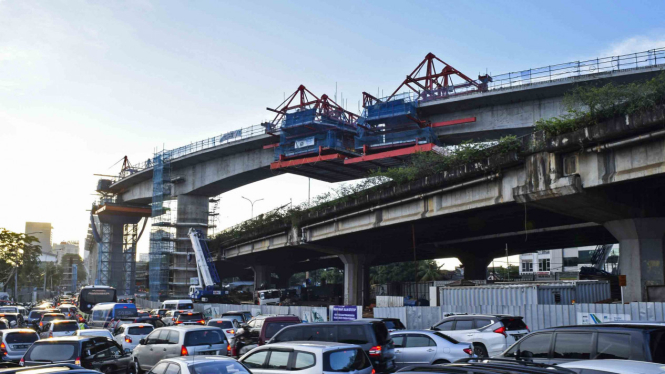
(155, 321)
(15, 319)
(639, 342)
(371, 335)
(36, 315)
(90, 352)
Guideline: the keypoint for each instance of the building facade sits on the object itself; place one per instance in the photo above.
(42, 231)
(569, 260)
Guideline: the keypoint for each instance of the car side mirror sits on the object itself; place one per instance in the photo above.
(142, 341)
(525, 356)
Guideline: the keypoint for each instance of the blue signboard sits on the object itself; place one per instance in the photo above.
(344, 312)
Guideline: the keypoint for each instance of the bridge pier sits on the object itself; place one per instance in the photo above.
(356, 278)
(475, 267)
(192, 213)
(262, 276)
(641, 254)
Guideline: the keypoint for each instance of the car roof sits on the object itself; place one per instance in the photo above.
(223, 319)
(71, 338)
(281, 318)
(189, 327)
(199, 359)
(614, 326)
(336, 323)
(428, 332)
(135, 325)
(235, 312)
(5, 331)
(177, 301)
(64, 321)
(53, 314)
(616, 366)
(324, 346)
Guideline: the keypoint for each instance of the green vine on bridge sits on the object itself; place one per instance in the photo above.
(589, 104)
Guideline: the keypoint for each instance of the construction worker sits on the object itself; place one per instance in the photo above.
(82, 325)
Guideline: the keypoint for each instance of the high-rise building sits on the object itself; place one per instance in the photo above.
(42, 231)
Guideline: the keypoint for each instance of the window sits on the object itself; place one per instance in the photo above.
(174, 337)
(256, 360)
(573, 346)
(417, 340)
(464, 324)
(304, 360)
(480, 323)
(204, 337)
(207, 367)
(119, 330)
(153, 338)
(394, 325)
(159, 368)
(273, 327)
(615, 346)
(173, 369)
(584, 257)
(544, 264)
(289, 335)
(65, 326)
(278, 360)
(445, 326)
(448, 338)
(570, 261)
(536, 346)
(352, 334)
(54, 352)
(21, 337)
(527, 266)
(319, 333)
(139, 330)
(188, 317)
(398, 341)
(346, 360)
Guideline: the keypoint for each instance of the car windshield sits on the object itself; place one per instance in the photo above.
(126, 313)
(513, 324)
(36, 313)
(222, 324)
(345, 360)
(52, 352)
(95, 332)
(21, 337)
(394, 325)
(185, 317)
(218, 367)
(204, 337)
(65, 326)
(234, 316)
(52, 318)
(8, 317)
(657, 346)
(8, 310)
(139, 330)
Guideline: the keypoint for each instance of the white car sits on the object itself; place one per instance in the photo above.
(228, 324)
(613, 367)
(170, 317)
(307, 358)
(95, 332)
(489, 334)
(129, 334)
(59, 328)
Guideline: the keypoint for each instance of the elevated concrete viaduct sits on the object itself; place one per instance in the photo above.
(468, 215)
(599, 185)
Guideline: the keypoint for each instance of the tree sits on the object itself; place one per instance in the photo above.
(17, 253)
(405, 272)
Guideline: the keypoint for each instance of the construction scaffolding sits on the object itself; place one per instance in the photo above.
(162, 236)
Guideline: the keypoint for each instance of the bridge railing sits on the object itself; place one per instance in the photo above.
(226, 138)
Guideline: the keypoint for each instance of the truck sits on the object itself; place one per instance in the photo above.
(209, 288)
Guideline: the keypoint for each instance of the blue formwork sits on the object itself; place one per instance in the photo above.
(299, 118)
(379, 139)
(391, 113)
(291, 146)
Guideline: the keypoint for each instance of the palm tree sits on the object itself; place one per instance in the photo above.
(430, 271)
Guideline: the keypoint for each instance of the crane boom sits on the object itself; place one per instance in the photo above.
(206, 269)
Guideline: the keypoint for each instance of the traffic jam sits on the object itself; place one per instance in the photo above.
(93, 332)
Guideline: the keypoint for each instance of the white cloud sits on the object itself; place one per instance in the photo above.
(635, 44)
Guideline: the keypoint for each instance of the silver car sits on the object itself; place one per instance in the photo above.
(613, 367)
(15, 342)
(199, 365)
(169, 342)
(418, 347)
(309, 357)
(228, 324)
(58, 328)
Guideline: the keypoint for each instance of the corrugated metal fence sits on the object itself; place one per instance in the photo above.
(389, 301)
(537, 317)
(217, 309)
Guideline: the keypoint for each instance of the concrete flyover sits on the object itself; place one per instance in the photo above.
(496, 113)
(598, 185)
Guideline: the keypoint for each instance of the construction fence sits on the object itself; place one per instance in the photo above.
(537, 317)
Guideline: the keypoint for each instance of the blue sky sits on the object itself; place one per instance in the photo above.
(83, 83)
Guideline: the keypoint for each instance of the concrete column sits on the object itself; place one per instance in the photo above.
(475, 267)
(192, 213)
(283, 277)
(641, 254)
(356, 278)
(262, 276)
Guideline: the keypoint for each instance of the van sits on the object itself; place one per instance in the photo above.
(177, 304)
(371, 335)
(102, 314)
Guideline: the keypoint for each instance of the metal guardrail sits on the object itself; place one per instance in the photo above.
(226, 138)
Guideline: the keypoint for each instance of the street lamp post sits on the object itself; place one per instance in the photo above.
(252, 202)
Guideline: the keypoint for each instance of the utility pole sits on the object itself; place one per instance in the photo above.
(507, 261)
(309, 190)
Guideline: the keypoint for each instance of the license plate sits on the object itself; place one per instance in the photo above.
(21, 346)
(207, 353)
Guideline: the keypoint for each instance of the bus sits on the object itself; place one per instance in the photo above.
(103, 314)
(92, 295)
